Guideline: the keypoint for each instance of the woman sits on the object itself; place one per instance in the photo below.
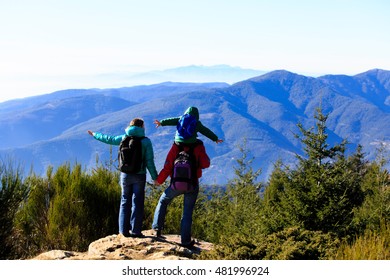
(133, 185)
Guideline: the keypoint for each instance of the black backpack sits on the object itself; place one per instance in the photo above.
(130, 154)
(184, 171)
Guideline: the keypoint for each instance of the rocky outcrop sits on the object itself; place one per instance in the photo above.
(119, 247)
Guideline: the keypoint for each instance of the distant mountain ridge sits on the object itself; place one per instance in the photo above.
(263, 110)
(184, 74)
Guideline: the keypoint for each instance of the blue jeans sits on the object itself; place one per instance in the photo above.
(186, 219)
(131, 209)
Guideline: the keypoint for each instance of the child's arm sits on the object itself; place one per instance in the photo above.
(208, 133)
(168, 121)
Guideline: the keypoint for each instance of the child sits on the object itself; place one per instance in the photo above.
(193, 111)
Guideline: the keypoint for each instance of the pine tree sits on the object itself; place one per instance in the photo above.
(322, 191)
(375, 212)
(243, 197)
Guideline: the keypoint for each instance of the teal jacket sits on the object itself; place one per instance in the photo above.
(199, 127)
(147, 148)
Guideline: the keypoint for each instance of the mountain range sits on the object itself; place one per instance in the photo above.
(261, 113)
(184, 74)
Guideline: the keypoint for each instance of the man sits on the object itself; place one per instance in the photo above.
(201, 161)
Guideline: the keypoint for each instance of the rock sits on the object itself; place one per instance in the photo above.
(56, 255)
(119, 247)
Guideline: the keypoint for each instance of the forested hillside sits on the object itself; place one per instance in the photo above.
(49, 130)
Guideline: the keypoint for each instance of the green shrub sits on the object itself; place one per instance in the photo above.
(13, 192)
(372, 245)
(289, 244)
(67, 210)
(31, 221)
(375, 210)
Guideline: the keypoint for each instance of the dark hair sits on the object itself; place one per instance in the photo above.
(137, 122)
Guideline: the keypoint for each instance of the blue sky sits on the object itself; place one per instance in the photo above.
(51, 45)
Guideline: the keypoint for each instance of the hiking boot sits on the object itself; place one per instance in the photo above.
(125, 234)
(189, 245)
(137, 235)
(157, 233)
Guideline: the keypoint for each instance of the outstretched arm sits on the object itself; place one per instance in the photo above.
(167, 122)
(209, 134)
(105, 138)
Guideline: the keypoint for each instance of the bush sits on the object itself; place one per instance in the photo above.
(289, 244)
(13, 192)
(231, 211)
(67, 210)
(375, 210)
(372, 245)
(31, 221)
